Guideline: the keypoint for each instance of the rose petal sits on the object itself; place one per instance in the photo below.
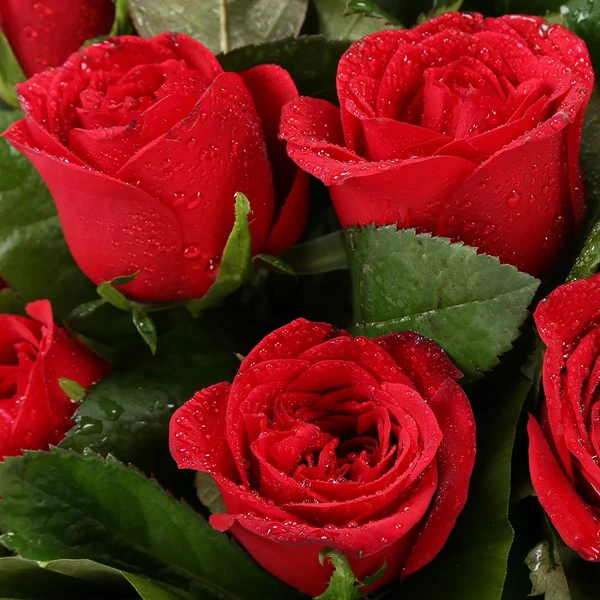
(455, 459)
(574, 520)
(202, 177)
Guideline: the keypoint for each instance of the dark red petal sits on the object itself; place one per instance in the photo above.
(290, 222)
(572, 517)
(43, 34)
(424, 361)
(271, 88)
(196, 168)
(455, 460)
(197, 434)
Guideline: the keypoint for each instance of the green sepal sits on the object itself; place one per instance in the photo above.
(236, 266)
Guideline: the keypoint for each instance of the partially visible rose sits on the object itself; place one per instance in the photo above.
(144, 143)
(564, 446)
(366, 446)
(34, 354)
(465, 127)
(43, 33)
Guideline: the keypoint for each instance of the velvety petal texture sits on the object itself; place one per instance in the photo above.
(564, 445)
(324, 439)
(144, 144)
(34, 354)
(43, 33)
(465, 127)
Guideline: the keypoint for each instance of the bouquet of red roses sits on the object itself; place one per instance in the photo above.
(299, 298)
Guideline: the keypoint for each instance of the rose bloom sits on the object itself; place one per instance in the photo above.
(43, 33)
(465, 127)
(565, 444)
(325, 440)
(34, 354)
(144, 143)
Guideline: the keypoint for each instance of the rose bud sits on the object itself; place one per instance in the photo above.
(43, 33)
(565, 444)
(144, 143)
(464, 127)
(326, 440)
(34, 354)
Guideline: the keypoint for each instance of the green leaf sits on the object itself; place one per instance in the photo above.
(63, 505)
(127, 414)
(10, 73)
(236, 265)
(10, 303)
(72, 389)
(220, 25)
(146, 328)
(208, 493)
(113, 296)
(368, 7)
(473, 563)
(62, 579)
(122, 23)
(27, 580)
(583, 17)
(468, 303)
(150, 590)
(336, 22)
(34, 257)
(311, 61)
(319, 255)
(343, 584)
(274, 263)
(441, 10)
(547, 574)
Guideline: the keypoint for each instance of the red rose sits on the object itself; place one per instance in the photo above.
(34, 354)
(465, 127)
(328, 440)
(42, 33)
(564, 446)
(143, 144)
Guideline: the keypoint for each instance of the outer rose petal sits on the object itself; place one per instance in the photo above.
(272, 88)
(425, 363)
(44, 414)
(43, 34)
(455, 459)
(265, 539)
(220, 151)
(525, 219)
(569, 311)
(574, 520)
(197, 435)
(90, 205)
